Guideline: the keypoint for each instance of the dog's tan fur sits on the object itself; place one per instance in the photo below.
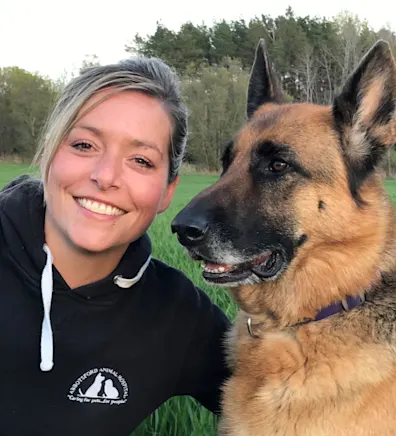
(336, 376)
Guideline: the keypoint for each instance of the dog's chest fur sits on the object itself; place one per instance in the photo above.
(318, 380)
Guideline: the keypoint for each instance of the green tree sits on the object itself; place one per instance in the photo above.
(25, 101)
(216, 102)
(223, 42)
(185, 50)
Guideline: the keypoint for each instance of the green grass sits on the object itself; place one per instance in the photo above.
(178, 416)
(390, 186)
(10, 171)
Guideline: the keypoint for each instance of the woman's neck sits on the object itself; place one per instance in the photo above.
(79, 267)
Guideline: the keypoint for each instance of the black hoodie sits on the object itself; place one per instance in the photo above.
(119, 347)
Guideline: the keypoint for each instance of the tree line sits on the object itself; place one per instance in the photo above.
(313, 57)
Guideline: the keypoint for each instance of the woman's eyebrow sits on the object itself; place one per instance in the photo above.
(135, 142)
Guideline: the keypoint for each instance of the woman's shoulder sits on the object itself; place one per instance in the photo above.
(23, 184)
(172, 278)
(177, 286)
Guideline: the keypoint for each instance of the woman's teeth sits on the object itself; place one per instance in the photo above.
(103, 209)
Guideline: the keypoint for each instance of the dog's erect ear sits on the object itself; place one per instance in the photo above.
(365, 112)
(264, 87)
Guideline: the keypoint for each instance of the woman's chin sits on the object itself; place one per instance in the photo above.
(91, 242)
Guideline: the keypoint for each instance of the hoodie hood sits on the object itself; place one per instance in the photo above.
(22, 226)
(22, 239)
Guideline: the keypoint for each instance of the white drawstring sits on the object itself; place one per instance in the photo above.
(47, 344)
(127, 283)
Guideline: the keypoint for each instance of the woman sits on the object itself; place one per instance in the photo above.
(94, 333)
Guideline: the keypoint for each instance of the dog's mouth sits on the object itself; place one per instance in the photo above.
(266, 266)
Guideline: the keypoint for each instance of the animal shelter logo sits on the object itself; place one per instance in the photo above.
(101, 386)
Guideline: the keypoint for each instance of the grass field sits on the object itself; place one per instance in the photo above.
(179, 416)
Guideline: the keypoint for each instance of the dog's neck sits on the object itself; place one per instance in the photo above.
(284, 305)
(350, 302)
(345, 305)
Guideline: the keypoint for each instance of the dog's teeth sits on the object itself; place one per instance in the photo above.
(211, 269)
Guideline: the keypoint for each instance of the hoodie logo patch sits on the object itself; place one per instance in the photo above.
(101, 386)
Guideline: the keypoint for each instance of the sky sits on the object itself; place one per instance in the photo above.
(53, 37)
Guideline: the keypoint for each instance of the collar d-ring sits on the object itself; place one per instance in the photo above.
(249, 327)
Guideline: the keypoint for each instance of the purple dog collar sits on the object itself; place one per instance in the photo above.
(341, 306)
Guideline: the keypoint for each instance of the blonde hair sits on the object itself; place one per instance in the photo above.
(148, 75)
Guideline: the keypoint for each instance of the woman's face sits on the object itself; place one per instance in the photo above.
(109, 177)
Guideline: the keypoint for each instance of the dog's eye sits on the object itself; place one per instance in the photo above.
(278, 166)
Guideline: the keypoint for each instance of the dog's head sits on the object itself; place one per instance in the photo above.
(299, 197)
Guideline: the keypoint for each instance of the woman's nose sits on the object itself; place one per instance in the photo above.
(107, 172)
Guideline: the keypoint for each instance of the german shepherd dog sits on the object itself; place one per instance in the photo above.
(300, 229)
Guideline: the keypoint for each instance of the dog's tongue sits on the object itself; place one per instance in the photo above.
(261, 259)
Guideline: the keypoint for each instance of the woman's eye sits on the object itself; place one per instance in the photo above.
(82, 146)
(143, 162)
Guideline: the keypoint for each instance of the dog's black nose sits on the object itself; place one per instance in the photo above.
(190, 229)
